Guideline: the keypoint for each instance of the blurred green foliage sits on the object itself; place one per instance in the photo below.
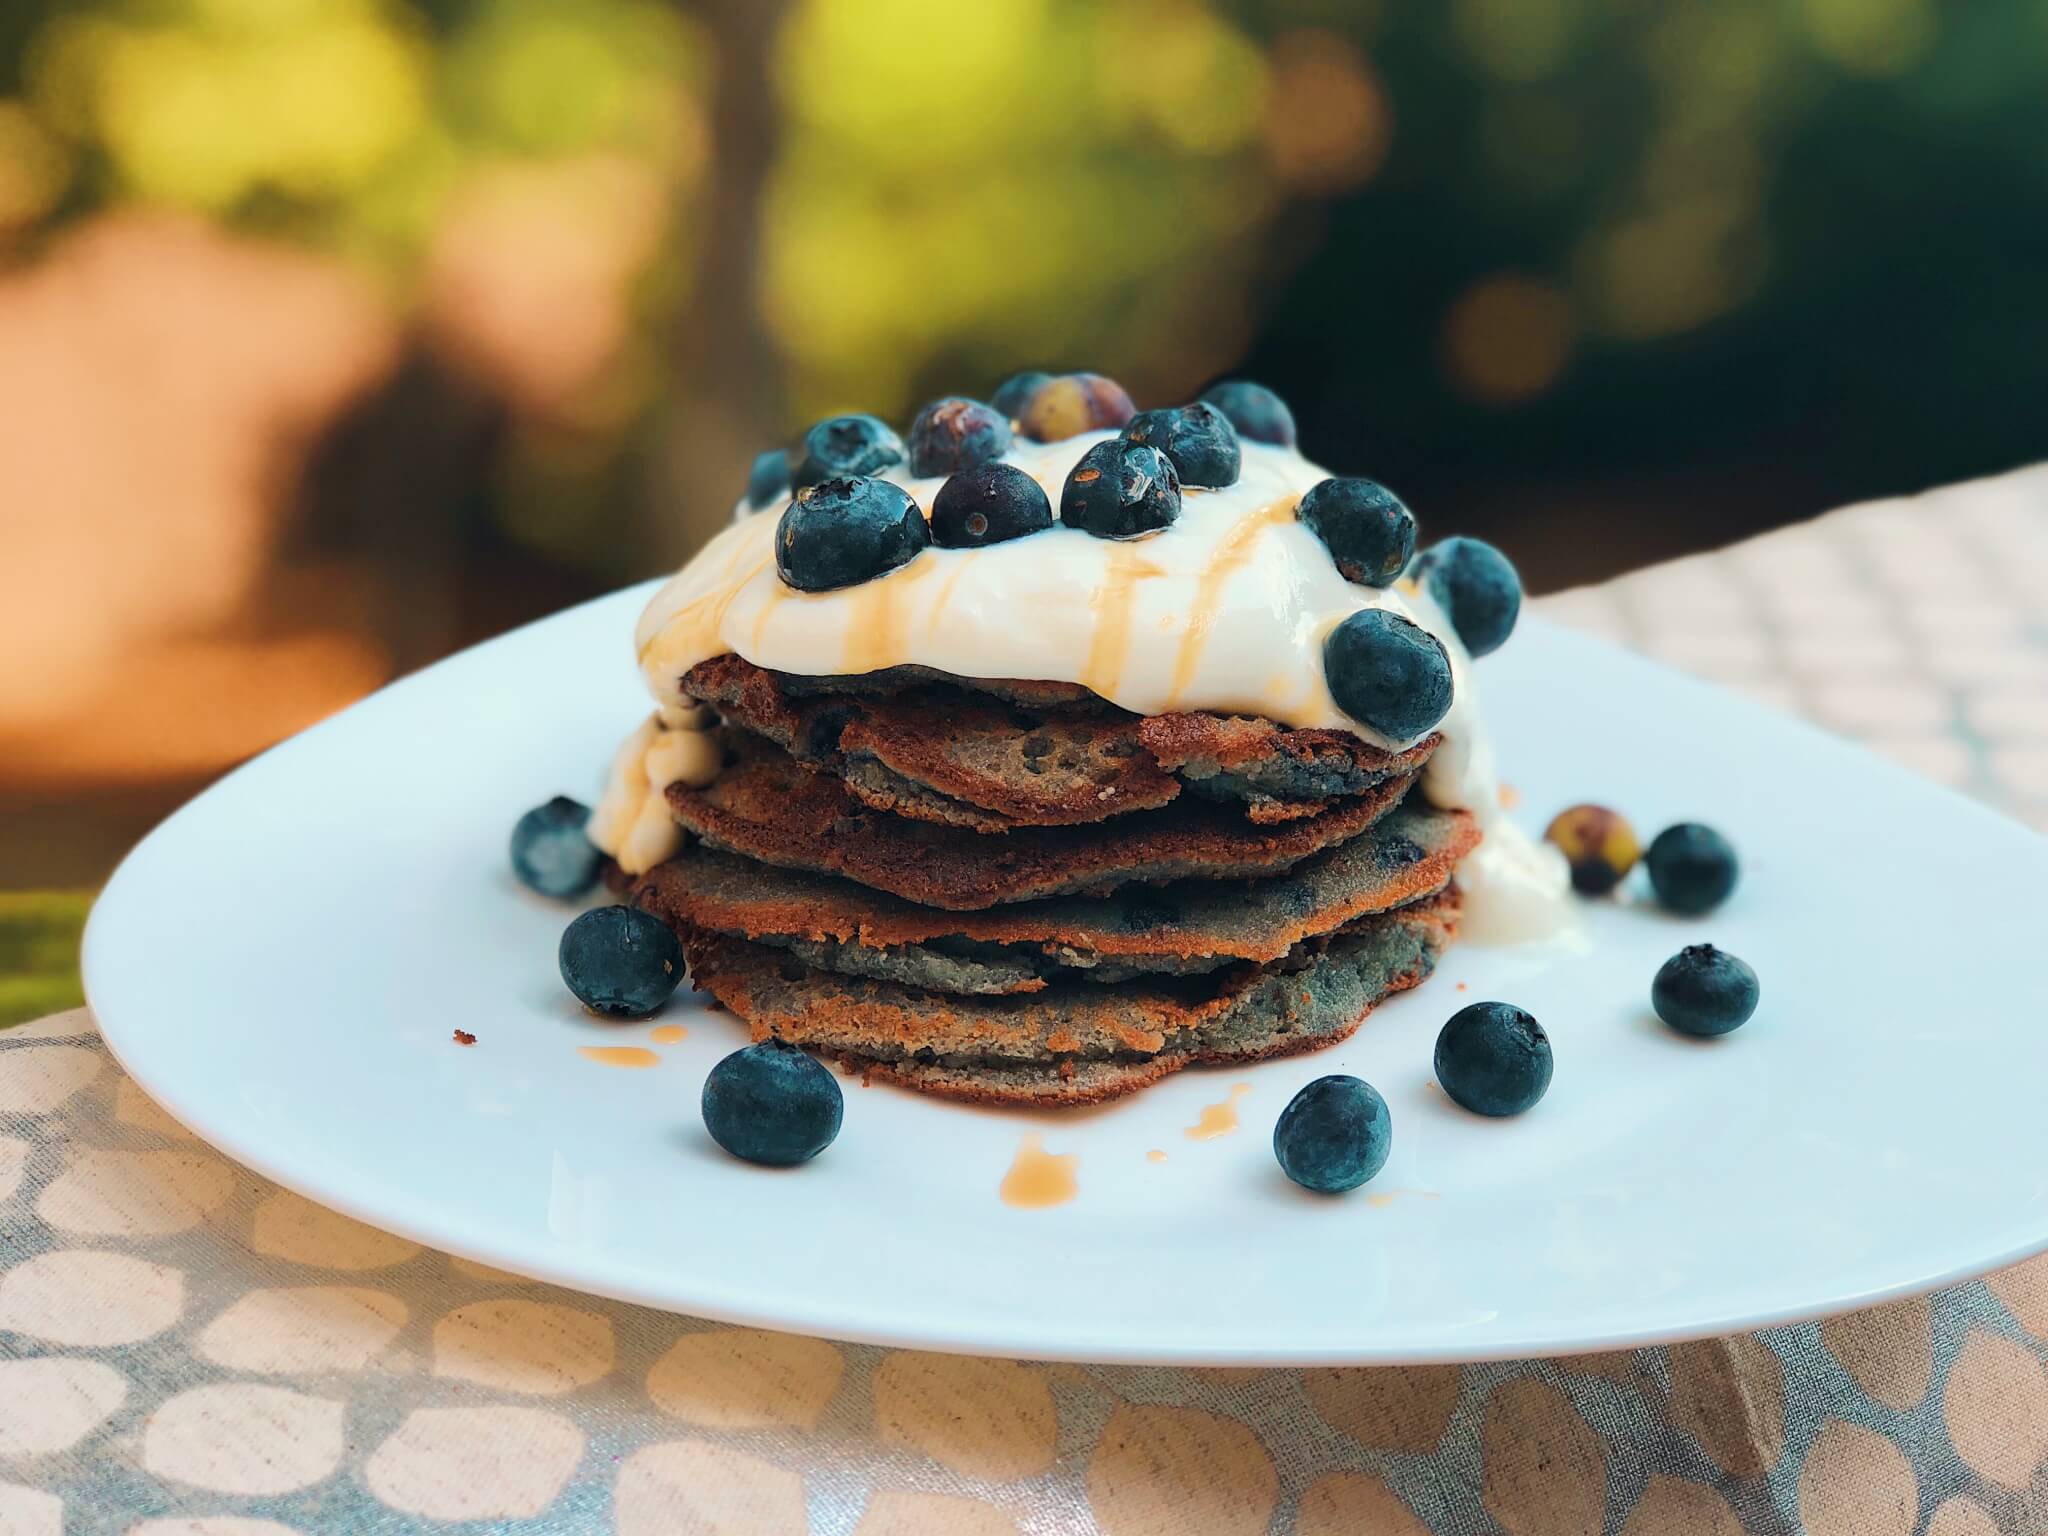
(1593, 235)
(39, 934)
(344, 122)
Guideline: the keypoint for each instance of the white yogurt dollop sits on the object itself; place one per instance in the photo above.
(1226, 610)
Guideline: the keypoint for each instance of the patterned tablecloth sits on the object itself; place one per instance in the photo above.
(187, 1350)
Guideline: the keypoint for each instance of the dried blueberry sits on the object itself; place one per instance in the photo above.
(1120, 490)
(1477, 588)
(1015, 392)
(1198, 438)
(845, 445)
(988, 504)
(956, 433)
(1069, 404)
(1368, 530)
(1692, 867)
(1599, 844)
(1494, 1059)
(768, 480)
(772, 1103)
(1334, 1134)
(1702, 990)
(846, 531)
(620, 962)
(550, 854)
(1254, 410)
(1388, 673)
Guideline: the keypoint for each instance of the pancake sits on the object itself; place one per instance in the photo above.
(953, 753)
(1073, 1043)
(768, 807)
(1189, 927)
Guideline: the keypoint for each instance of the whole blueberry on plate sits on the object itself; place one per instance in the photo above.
(1254, 410)
(988, 504)
(1493, 1058)
(957, 433)
(1368, 530)
(1704, 991)
(845, 445)
(550, 854)
(1069, 404)
(620, 962)
(1598, 844)
(1389, 673)
(1015, 392)
(1334, 1134)
(768, 480)
(1120, 490)
(1692, 868)
(842, 532)
(1198, 438)
(772, 1103)
(1477, 588)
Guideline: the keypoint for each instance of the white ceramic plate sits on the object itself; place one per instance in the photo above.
(283, 962)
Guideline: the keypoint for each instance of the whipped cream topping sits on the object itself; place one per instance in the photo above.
(1226, 610)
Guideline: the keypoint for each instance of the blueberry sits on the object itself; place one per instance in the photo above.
(1069, 404)
(1334, 1134)
(1692, 868)
(1477, 588)
(1702, 990)
(1198, 438)
(1367, 529)
(1254, 410)
(1598, 844)
(954, 434)
(620, 961)
(550, 854)
(768, 480)
(771, 1103)
(846, 531)
(1120, 490)
(986, 505)
(1015, 392)
(1388, 673)
(1493, 1058)
(845, 445)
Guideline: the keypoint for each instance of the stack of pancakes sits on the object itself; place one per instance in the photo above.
(1013, 892)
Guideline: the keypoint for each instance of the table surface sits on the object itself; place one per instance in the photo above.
(187, 1350)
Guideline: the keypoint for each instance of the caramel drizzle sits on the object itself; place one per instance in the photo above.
(704, 617)
(880, 624)
(931, 623)
(777, 591)
(1231, 554)
(1111, 605)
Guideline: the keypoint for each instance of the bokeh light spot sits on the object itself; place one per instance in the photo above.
(1507, 338)
(1328, 120)
(1875, 38)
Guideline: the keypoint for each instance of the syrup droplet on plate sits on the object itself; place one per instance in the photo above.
(1155, 1156)
(1038, 1178)
(1218, 1119)
(618, 1055)
(666, 1034)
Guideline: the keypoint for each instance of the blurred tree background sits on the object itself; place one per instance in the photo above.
(337, 333)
